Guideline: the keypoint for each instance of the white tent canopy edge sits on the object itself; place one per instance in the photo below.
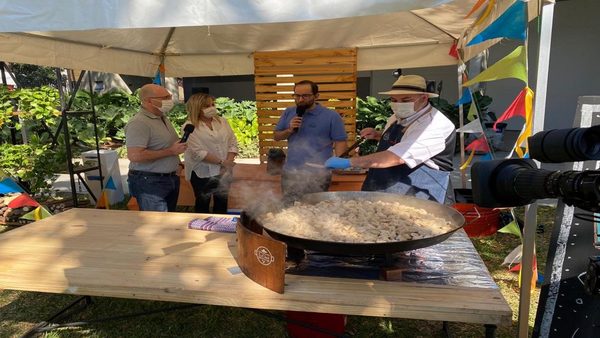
(417, 37)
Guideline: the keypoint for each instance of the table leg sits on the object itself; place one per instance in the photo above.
(490, 330)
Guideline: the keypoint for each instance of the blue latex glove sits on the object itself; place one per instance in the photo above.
(337, 163)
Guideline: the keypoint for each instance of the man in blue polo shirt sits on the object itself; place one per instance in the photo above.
(313, 133)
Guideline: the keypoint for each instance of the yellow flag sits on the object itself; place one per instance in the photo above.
(511, 66)
(472, 115)
(485, 13)
(37, 214)
(528, 125)
(468, 161)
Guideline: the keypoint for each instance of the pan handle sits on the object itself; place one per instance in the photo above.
(352, 147)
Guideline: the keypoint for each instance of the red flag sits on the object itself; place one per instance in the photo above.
(516, 108)
(453, 50)
(479, 144)
(22, 201)
(515, 268)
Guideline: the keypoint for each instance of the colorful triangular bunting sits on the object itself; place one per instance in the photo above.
(514, 256)
(37, 214)
(485, 13)
(511, 66)
(512, 24)
(511, 228)
(527, 103)
(8, 186)
(23, 200)
(516, 108)
(110, 184)
(465, 98)
(472, 114)
(103, 202)
(475, 8)
(471, 127)
(479, 144)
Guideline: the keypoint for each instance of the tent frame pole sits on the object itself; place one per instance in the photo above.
(538, 125)
(67, 113)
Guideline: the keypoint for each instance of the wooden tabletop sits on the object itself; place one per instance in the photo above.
(153, 255)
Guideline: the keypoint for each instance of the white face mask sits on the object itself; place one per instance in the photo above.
(403, 110)
(210, 112)
(166, 106)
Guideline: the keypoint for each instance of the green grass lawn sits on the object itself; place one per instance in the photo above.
(20, 311)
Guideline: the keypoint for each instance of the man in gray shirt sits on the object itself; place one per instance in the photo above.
(153, 150)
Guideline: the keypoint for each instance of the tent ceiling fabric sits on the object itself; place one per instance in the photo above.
(394, 39)
(35, 15)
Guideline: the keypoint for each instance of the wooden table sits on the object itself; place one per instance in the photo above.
(251, 181)
(152, 255)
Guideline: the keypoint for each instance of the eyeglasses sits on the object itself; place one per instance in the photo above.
(166, 97)
(304, 96)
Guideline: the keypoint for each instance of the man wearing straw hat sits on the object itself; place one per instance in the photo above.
(415, 151)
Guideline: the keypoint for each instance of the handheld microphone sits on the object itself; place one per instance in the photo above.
(299, 112)
(187, 130)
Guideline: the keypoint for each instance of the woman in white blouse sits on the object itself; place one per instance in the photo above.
(210, 154)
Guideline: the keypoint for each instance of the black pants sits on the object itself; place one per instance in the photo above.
(207, 187)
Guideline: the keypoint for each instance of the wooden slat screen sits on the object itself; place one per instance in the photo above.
(275, 73)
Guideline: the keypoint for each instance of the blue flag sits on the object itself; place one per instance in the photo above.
(465, 98)
(157, 78)
(486, 157)
(110, 184)
(512, 24)
(8, 186)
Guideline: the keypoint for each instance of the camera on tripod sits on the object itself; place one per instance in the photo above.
(517, 182)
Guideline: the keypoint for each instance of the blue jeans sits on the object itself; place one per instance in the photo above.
(154, 193)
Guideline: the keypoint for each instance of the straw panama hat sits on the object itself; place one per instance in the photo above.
(409, 84)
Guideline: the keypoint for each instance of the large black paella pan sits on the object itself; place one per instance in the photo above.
(451, 216)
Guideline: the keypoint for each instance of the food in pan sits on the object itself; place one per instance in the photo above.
(355, 221)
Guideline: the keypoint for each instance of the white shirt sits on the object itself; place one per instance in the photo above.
(423, 139)
(218, 141)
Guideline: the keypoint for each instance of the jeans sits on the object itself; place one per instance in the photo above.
(154, 193)
(207, 187)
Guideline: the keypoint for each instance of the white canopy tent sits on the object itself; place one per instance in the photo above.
(211, 38)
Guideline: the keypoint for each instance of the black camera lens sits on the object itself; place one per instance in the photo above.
(566, 145)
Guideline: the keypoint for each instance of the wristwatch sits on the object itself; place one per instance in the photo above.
(221, 162)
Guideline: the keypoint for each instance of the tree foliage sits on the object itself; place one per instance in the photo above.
(33, 76)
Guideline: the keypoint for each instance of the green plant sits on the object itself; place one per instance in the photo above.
(6, 106)
(178, 116)
(243, 120)
(113, 111)
(34, 163)
(371, 113)
(34, 76)
(33, 104)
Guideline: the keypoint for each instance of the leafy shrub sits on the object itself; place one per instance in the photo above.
(34, 104)
(243, 120)
(371, 113)
(113, 111)
(34, 163)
